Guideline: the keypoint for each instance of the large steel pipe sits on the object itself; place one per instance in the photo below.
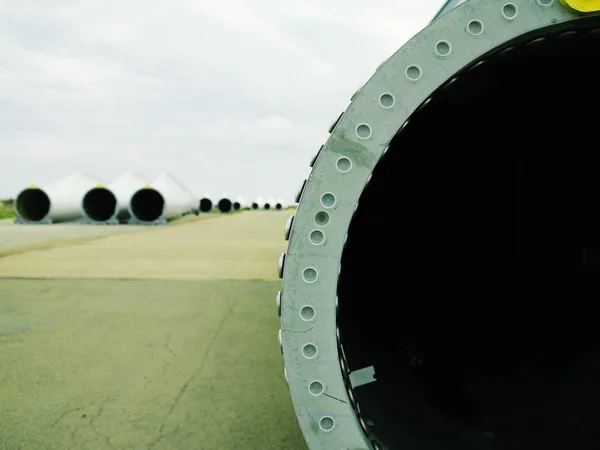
(164, 200)
(462, 317)
(60, 201)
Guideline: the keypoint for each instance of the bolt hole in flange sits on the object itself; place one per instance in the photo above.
(479, 324)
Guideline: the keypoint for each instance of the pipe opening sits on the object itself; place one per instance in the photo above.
(147, 205)
(224, 205)
(99, 204)
(206, 205)
(32, 205)
(476, 309)
(278, 206)
(267, 206)
(255, 205)
(237, 206)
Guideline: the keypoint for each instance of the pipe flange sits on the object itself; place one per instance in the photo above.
(330, 195)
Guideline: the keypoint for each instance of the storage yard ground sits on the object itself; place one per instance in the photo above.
(159, 337)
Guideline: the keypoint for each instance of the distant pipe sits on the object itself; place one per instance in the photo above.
(240, 203)
(206, 205)
(165, 199)
(280, 204)
(259, 203)
(60, 201)
(269, 204)
(225, 205)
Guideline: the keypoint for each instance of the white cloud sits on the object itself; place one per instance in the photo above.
(227, 95)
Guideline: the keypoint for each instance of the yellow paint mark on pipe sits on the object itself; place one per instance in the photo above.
(581, 6)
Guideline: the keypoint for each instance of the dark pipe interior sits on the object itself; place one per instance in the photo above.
(224, 205)
(99, 204)
(278, 206)
(205, 205)
(236, 206)
(255, 205)
(32, 205)
(147, 205)
(267, 206)
(468, 276)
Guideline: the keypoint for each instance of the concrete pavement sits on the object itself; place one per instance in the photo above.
(160, 339)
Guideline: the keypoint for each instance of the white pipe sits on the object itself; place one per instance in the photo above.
(225, 205)
(280, 204)
(164, 199)
(206, 204)
(237, 205)
(258, 203)
(124, 188)
(269, 204)
(110, 204)
(240, 204)
(60, 201)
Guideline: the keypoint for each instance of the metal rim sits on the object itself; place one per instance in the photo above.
(328, 199)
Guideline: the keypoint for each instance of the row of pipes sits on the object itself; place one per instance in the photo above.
(130, 199)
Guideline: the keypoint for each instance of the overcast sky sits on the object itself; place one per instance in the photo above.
(229, 96)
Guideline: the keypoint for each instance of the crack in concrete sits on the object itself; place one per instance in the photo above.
(90, 423)
(185, 386)
(168, 341)
(66, 413)
(165, 366)
(95, 429)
